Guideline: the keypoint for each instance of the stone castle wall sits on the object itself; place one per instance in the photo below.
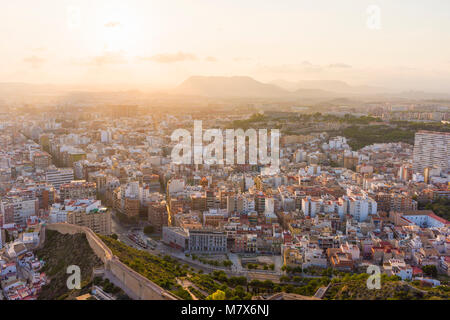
(134, 284)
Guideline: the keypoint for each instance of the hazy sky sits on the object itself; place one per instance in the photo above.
(161, 42)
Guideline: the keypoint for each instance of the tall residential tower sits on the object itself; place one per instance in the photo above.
(431, 149)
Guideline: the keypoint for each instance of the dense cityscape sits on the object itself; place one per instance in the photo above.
(239, 230)
(224, 159)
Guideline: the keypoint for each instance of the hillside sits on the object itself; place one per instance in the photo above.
(355, 288)
(336, 86)
(59, 252)
(228, 87)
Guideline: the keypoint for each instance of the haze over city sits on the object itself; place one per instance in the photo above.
(158, 44)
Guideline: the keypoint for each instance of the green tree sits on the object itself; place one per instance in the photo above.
(218, 295)
(430, 270)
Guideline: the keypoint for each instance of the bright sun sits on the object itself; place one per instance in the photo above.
(120, 31)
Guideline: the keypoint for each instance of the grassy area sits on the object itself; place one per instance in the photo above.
(361, 135)
(213, 262)
(354, 287)
(161, 270)
(197, 293)
(441, 207)
(361, 131)
(248, 123)
(59, 252)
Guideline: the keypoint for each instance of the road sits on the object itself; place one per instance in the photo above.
(237, 265)
(236, 269)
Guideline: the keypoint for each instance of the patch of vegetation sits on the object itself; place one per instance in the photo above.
(180, 292)
(59, 252)
(216, 263)
(161, 270)
(441, 207)
(196, 293)
(205, 282)
(361, 135)
(354, 287)
(430, 270)
(218, 295)
(248, 123)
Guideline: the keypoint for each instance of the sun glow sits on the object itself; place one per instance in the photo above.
(119, 31)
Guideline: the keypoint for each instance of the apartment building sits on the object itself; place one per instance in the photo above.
(176, 237)
(60, 211)
(214, 217)
(207, 241)
(158, 215)
(359, 206)
(41, 160)
(98, 220)
(195, 241)
(59, 176)
(431, 149)
(240, 203)
(18, 210)
(79, 189)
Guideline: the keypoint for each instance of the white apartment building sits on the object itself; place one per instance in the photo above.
(352, 249)
(269, 205)
(175, 237)
(431, 149)
(60, 211)
(359, 207)
(175, 185)
(59, 176)
(314, 205)
(300, 155)
(207, 241)
(198, 241)
(311, 206)
(22, 209)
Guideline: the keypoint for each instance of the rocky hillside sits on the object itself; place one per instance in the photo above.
(59, 252)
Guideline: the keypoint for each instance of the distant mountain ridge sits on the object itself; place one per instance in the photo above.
(212, 87)
(242, 87)
(237, 86)
(247, 87)
(336, 86)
